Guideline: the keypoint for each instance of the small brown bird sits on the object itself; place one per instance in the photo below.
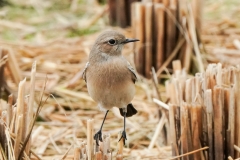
(110, 78)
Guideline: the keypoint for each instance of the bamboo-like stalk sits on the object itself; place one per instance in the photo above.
(228, 103)
(179, 91)
(106, 146)
(164, 136)
(195, 130)
(77, 152)
(209, 110)
(187, 57)
(9, 110)
(177, 68)
(108, 156)
(13, 66)
(20, 100)
(138, 31)
(128, 10)
(112, 12)
(218, 122)
(193, 90)
(121, 13)
(159, 29)
(21, 109)
(200, 116)
(83, 154)
(12, 126)
(170, 17)
(133, 20)
(198, 87)
(18, 139)
(184, 129)
(119, 155)
(197, 6)
(172, 128)
(31, 94)
(219, 74)
(188, 91)
(3, 141)
(237, 103)
(194, 39)
(178, 122)
(149, 38)
(170, 91)
(10, 147)
(155, 83)
(29, 115)
(210, 77)
(98, 155)
(90, 138)
(231, 122)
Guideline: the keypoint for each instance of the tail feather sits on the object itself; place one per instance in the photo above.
(130, 110)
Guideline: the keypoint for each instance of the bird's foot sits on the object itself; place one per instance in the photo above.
(98, 137)
(124, 137)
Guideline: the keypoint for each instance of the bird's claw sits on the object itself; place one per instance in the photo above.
(124, 136)
(98, 137)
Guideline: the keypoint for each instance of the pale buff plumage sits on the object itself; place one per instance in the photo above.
(110, 77)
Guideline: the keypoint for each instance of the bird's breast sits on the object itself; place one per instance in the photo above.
(110, 83)
(109, 72)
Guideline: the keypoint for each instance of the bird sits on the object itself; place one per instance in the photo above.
(110, 78)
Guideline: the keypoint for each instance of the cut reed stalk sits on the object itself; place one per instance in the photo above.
(120, 147)
(172, 109)
(138, 32)
(218, 118)
(90, 138)
(237, 104)
(149, 38)
(13, 66)
(169, 21)
(77, 152)
(209, 110)
(209, 104)
(159, 30)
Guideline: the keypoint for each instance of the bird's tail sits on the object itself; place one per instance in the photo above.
(130, 110)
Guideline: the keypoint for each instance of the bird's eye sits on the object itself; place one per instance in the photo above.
(112, 42)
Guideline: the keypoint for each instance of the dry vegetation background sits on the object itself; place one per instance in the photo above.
(58, 35)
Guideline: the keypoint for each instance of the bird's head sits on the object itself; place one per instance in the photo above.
(111, 43)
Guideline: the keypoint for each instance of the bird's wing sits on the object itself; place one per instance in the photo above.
(84, 72)
(134, 75)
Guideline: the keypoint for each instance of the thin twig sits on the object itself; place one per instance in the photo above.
(183, 155)
(172, 55)
(65, 155)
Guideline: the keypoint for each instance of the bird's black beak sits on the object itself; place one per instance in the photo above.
(130, 40)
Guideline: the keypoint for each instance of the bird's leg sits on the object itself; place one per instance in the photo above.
(98, 135)
(124, 136)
